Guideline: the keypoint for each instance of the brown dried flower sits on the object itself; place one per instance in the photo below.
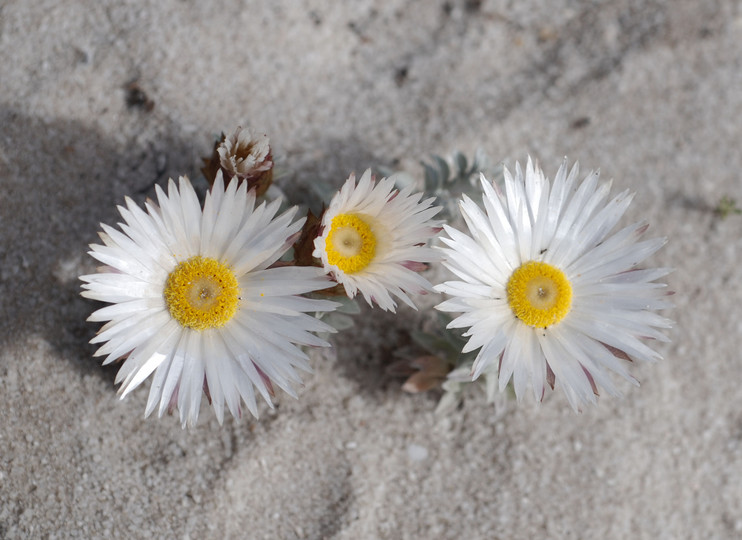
(243, 155)
(423, 373)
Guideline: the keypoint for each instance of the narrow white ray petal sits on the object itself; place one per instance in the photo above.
(122, 310)
(513, 353)
(191, 380)
(620, 260)
(172, 380)
(212, 364)
(146, 358)
(212, 203)
(158, 380)
(490, 353)
(568, 373)
(191, 211)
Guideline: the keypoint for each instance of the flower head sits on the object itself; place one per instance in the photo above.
(546, 291)
(244, 155)
(195, 300)
(373, 240)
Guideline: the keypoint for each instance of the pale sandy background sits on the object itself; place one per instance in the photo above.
(649, 91)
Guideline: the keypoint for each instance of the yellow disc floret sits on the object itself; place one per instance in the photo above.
(351, 244)
(539, 294)
(202, 293)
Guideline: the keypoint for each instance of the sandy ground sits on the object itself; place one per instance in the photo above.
(649, 91)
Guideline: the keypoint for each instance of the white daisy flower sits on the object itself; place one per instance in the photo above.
(195, 301)
(373, 240)
(546, 291)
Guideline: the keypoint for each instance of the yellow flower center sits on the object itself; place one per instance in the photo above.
(351, 244)
(202, 293)
(539, 294)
